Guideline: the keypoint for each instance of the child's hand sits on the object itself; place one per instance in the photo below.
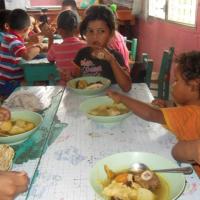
(102, 53)
(4, 114)
(46, 31)
(159, 102)
(114, 95)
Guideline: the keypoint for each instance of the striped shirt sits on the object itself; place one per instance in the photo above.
(63, 54)
(11, 50)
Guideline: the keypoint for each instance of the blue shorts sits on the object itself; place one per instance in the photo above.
(9, 87)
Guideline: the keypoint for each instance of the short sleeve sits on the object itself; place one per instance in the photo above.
(183, 121)
(17, 48)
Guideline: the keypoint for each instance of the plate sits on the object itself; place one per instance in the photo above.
(92, 103)
(27, 116)
(90, 79)
(122, 161)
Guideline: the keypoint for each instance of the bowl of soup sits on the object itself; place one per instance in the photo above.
(104, 110)
(112, 179)
(89, 85)
(20, 127)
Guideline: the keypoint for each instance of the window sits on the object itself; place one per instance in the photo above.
(179, 11)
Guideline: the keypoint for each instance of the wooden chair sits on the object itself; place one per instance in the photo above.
(162, 79)
(40, 72)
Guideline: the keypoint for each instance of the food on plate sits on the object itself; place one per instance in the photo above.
(15, 127)
(109, 110)
(83, 84)
(6, 157)
(126, 185)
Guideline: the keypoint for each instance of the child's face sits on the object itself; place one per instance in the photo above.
(182, 91)
(98, 34)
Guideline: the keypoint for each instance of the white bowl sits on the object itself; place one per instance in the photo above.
(27, 116)
(122, 161)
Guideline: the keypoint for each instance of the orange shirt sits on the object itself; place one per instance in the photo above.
(183, 121)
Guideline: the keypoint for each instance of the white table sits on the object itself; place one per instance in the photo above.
(63, 170)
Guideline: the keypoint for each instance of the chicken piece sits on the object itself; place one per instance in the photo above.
(148, 180)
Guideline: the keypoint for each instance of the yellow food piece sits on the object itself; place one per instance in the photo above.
(145, 194)
(16, 130)
(21, 123)
(5, 126)
(29, 126)
(120, 191)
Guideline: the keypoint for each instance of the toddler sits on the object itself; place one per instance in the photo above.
(182, 120)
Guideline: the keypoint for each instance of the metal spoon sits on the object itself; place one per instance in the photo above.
(140, 167)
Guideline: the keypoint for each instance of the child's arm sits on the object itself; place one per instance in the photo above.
(143, 110)
(122, 77)
(32, 51)
(187, 151)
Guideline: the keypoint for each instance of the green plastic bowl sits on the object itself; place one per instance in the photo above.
(91, 103)
(90, 79)
(122, 161)
(27, 116)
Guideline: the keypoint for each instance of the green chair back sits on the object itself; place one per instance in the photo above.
(40, 72)
(148, 63)
(164, 74)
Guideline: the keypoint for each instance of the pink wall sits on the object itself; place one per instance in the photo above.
(46, 3)
(156, 35)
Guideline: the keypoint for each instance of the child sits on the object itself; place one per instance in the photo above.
(63, 54)
(3, 23)
(184, 119)
(98, 26)
(116, 42)
(12, 49)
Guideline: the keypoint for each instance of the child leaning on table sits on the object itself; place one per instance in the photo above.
(184, 119)
(11, 183)
(98, 27)
(13, 49)
(63, 54)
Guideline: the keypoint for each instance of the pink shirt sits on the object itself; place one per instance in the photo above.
(63, 55)
(118, 43)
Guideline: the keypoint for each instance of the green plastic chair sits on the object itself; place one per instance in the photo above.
(40, 72)
(148, 63)
(133, 48)
(163, 78)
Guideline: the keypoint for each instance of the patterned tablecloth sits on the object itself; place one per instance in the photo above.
(74, 143)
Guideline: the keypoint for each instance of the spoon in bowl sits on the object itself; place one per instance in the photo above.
(140, 167)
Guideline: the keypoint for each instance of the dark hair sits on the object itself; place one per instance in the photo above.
(68, 21)
(189, 65)
(98, 12)
(71, 3)
(19, 19)
(4, 15)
